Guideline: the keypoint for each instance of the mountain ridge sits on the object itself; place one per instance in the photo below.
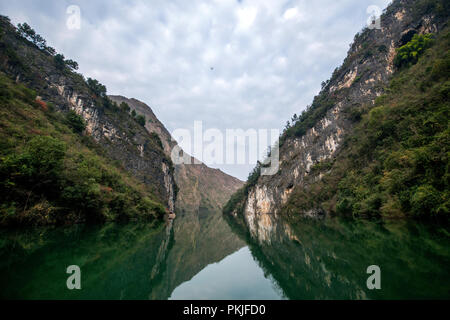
(309, 147)
(200, 187)
(133, 137)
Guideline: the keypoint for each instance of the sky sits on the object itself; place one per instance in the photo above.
(232, 64)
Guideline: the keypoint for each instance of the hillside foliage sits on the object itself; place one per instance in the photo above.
(396, 161)
(50, 174)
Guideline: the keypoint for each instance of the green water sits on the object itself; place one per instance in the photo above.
(200, 256)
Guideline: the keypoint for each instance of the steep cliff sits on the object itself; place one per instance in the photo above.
(117, 136)
(199, 187)
(313, 146)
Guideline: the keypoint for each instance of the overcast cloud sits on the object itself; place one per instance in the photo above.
(232, 64)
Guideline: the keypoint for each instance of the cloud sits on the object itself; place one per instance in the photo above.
(233, 64)
(246, 17)
(291, 13)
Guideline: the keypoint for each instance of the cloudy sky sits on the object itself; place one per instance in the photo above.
(229, 63)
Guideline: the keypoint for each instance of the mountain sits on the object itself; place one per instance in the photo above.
(200, 188)
(123, 132)
(68, 153)
(374, 142)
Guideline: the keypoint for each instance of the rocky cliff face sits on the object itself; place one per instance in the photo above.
(199, 187)
(118, 134)
(356, 84)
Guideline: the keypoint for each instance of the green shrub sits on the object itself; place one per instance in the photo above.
(409, 54)
(141, 120)
(44, 180)
(394, 163)
(59, 61)
(96, 87)
(46, 154)
(424, 200)
(344, 206)
(156, 137)
(382, 48)
(75, 121)
(441, 68)
(125, 107)
(40, 162)
(5, 94)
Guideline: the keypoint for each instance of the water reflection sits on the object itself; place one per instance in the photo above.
(327, 259)
(117, 261)
(201, 256)
(235, 277)
(200, 239)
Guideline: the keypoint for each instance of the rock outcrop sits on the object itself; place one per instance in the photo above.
(118, 134)
(143, 151)
(364, 74)
(200, 188)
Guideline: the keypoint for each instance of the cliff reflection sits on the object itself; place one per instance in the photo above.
(117, 261)
(328, 258)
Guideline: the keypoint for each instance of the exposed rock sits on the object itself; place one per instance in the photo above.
(199, 186)
(361, 78)
(120, 136)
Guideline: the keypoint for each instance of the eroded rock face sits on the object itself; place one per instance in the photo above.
(357, 83)
(121, 137)
(168, 184)
(200, 187)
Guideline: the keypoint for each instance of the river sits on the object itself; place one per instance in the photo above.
(202, 256)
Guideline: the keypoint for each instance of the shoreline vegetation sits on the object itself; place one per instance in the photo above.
(395, 162)
(51, 171)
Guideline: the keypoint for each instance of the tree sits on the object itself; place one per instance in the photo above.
(75, 121)
(141, 120)
(39, 42)
(40, 162)
(50, 51)
(59, 61)
(72, 64)
(26, 31)
(125, 107)
(133, 113)
(47, 155)
(96, 87)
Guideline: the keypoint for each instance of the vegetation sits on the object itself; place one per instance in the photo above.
(75, 121)
(50, 174)
(141, 119)
(396, 160)
(313, 113)
(138, 117)
(96, 87)
(30, 35)
(414, 109)
(26, 32)
(409, 54)
(236, 201)
(61, 63)
(125, 107)
(156, 137)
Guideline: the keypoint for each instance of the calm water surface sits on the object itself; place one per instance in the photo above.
(201, 256)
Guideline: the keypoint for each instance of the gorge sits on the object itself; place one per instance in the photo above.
(87, 178)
